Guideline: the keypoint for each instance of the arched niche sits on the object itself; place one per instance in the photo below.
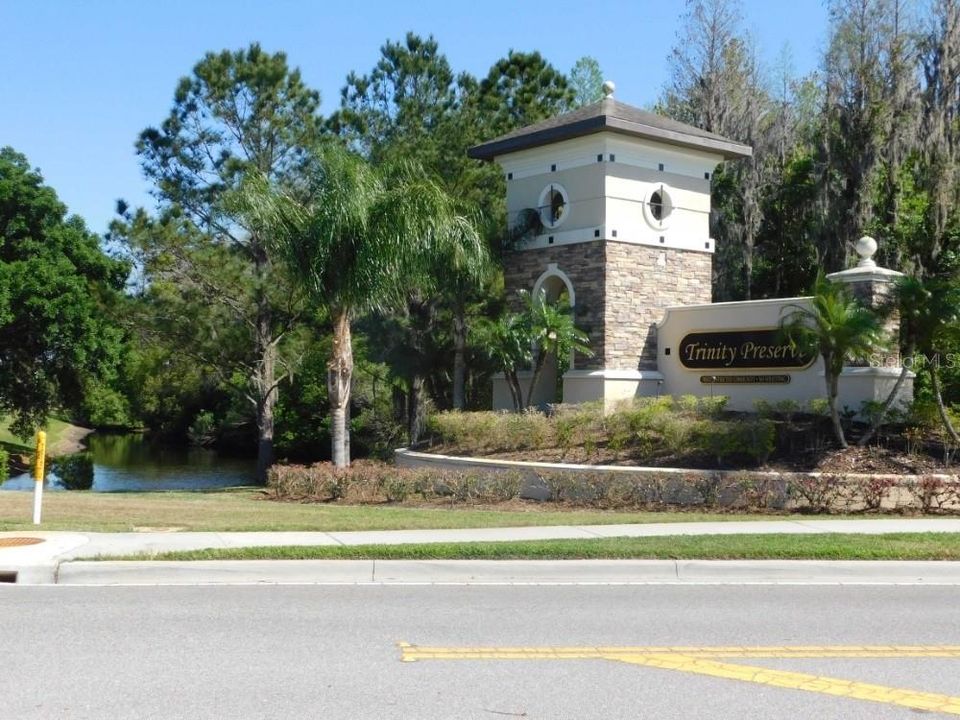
(554, 282)
(556, 285)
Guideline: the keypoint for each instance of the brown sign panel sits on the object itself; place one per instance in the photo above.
(741, 349)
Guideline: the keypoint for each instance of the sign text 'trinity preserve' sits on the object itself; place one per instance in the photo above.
(741, 349)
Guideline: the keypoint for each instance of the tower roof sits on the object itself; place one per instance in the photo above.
(609, 115)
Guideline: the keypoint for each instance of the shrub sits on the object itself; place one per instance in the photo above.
(654, 489)
(819, 492)
(462, 487)
(503, 486)
(707, 487)
(933, 492)
(724, 440)
(370, 481)
(764, 408)
(529, 430)
(562, 486)
(75, 471)
(689, 404)
(713, 407)
(324, 482)
(641, 414)
(675, 434)
(468, 431)
(914, 438)
(760, 493)
(786, 409)
(624, 491)
(4, 464)
(577, 425)
(396, 489)
(871, 491)
(565, 429)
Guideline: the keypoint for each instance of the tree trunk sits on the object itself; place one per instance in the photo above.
(516, 393)
(415, 419)
(265, 411)
(264, 376)
(422, 312)
(887, 404)
(459, 359)
(535, 378)
(339, 374)
(832, 383)
(941, 408)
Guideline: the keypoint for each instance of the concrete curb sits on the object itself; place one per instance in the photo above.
(508, 572)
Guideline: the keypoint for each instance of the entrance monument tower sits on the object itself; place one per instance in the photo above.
(620, 202)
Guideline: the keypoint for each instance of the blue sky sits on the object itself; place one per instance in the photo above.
(80, 79)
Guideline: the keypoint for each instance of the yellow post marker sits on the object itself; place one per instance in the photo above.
(38, 474)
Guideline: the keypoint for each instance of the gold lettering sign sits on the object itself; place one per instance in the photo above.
(744, 379)
(741, 350)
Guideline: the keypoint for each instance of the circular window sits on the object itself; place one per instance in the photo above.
(658, 207)
(553, 205)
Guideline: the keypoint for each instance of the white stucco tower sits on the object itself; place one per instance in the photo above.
(623, 202)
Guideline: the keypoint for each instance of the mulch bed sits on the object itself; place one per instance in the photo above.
(851, 460)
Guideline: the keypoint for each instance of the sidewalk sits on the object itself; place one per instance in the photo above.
(58, 558)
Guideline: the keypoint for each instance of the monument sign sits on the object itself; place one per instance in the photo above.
(622, 198)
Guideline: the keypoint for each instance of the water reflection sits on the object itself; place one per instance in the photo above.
(132, 462)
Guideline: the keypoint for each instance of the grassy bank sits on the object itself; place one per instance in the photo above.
(62, 438)
(246, 510)
(838, 546)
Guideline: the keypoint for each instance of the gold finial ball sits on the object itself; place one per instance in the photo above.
(608, 88)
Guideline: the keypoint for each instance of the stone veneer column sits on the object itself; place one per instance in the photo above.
(621, 290)
(583, 263)
(641, 281)
(872, 285)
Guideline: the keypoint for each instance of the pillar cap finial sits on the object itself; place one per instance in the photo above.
(866, 248)
(608, 88)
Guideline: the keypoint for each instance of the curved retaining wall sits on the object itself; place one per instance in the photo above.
(678, 483)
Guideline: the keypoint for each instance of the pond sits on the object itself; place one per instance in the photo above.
(132, 462)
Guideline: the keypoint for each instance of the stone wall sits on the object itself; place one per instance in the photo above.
(641, 281)
(583, 264)
(620, 311)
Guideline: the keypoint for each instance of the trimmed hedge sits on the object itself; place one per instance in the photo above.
(369, 481)
(375, 482)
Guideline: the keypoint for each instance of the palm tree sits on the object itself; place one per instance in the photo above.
(506, 341)
(552, 331)
(517, 340)
(837, 327)
(356, 237)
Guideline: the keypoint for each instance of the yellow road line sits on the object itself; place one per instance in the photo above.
(411, 652)
(913, 699)
(701, 661)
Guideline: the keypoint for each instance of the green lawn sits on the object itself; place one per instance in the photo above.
(835, 546)
(246, 509)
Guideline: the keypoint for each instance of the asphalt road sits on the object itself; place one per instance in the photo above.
(332, 652)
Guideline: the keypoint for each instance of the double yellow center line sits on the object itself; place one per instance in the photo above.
(709, 661)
